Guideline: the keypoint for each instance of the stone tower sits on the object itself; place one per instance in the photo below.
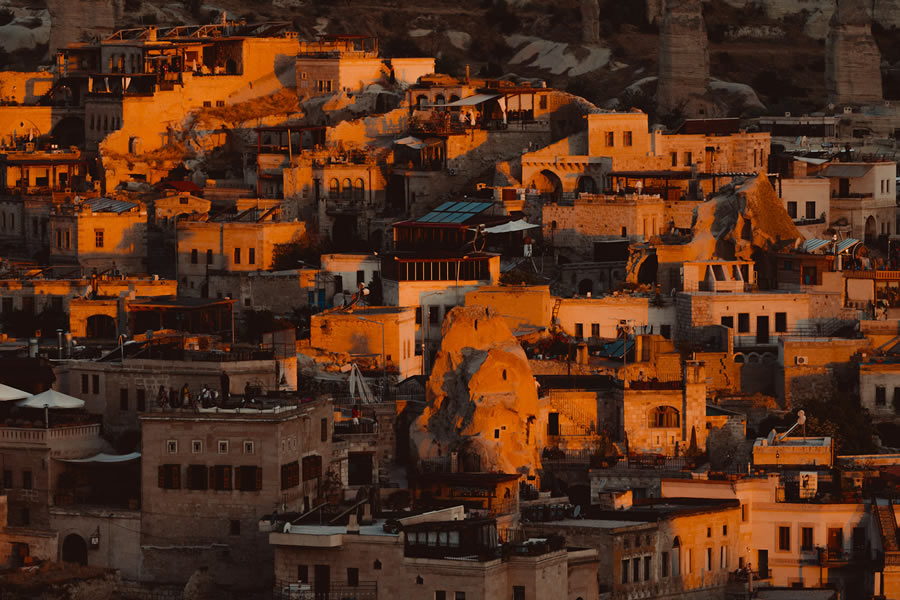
(852, 59)
(590, 21)
(683, 60)
(71, 19)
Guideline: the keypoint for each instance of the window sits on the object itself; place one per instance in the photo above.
(728, 322)
(141, 400)
(806, 539)
(123, 399)
(312, 467)
(323, 86)
(627, 138)
(324, 429)
(460, 596)
(95, 380)
(810, 210)
(579, 331)
(26, 480)
(674, 156)
(360, 277)
(98, 238)
(879, 395)
(743, 322)
(352, 576)
(248, 447)
(290, 475)
(418, 315)
(784, 539)
(169, 477)
(84, 383)
(723, 557)
(251, 256)
(610, 138)
(197, 477)
(724, 529)
(434, 314)
(223, 446)
(7, 478)
(196, 446)
(709, 532)
(647, 563)
(664, 416)
(780, 322)
(303, 573)
(220, 103)
(209, 257)
(666, 331)
(234, 527)
(595, 330)
(636, 569)
(709, 559)
(792, 209)
(194, 256)
(248, 478)
(207, 104)
(237, 256)
(625, 571)
(221, 477)
(688, 159)
(172, 447)
(664, 564)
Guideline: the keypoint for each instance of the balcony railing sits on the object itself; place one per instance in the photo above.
(40, 436)
(839, 557)
(365, 590)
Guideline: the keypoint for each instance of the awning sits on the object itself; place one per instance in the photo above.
(520, 225)
(814, 244)
(410, 142)
(104, 458)
(8, 394)
(51, 399)
(617, 349)
(847, 244)
(847, 171)
(473, 100)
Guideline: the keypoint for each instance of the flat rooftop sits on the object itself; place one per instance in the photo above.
(795, 442)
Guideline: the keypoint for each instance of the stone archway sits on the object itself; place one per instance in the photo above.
(871, 232)
(547, 182)
(587, 185)
(74, 549)
(101, 326)
(68, 132)
(585, 287)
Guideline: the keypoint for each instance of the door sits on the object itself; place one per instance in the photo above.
(553, 424)
(762, 330)
(322, 583)
(843, 187)
(762, 562)
(835, 542)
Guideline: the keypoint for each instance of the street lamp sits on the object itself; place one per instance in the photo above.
(383, 361)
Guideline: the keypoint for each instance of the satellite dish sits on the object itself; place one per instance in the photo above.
(801, 417)
(770, 439)
(577, 512)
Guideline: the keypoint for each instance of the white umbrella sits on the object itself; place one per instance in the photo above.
(10, 393)
(51, 399)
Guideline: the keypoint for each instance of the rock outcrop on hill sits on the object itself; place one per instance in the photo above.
(746, 216)
(72, 19)
(683, 60)
(590, 21)
(852, 58)
(482, 398)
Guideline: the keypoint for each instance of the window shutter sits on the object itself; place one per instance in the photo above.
(176, 477)
(161, 475)
(211, 477)
(258, 478)
(226, 478)
(238, 477)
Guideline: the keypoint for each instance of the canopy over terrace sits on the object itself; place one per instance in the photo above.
(515, 104)
(626, 177)
(51, 399)
(191, 315)
(9, 394)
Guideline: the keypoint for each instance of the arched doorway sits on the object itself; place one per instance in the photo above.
(548, 183)
(231, 67)
(648, 269)
(101, 326)
(68, 132)
(587, 185)
(74, 549)
(871, 230)
(585, 287)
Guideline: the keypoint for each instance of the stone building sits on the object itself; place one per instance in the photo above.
(209, 476)
(683, 60)
(244, 243)
(100, 234)
(879, 389)
(863, 199)
(852, 58)
(808, 367)
(367, 561)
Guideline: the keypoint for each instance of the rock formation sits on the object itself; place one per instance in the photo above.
(590, 21)
(747, 215)
(683, 60)
(481, 395)
(72, 19)
(852, 59)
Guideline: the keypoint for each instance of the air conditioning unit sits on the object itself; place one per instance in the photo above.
(801, 360)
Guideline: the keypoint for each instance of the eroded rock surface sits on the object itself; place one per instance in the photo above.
(683, 59)
(480, 384)
(852, 58)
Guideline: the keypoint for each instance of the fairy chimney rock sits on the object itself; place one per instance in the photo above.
(683, 59)
(852, 59)
(590, 21)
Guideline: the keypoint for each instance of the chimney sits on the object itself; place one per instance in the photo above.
(352, 525)
(151, 33)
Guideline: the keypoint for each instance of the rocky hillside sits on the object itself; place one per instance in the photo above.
(775, 46)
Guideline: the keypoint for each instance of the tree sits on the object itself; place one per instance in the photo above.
(295, 255)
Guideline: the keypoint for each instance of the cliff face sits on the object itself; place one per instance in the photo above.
(72, 19)
(852, 58)
(481, 396)
(683, 59)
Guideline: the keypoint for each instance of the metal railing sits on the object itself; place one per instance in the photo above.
(292, 590)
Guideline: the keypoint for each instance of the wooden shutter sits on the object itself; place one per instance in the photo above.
(238, 478)
(226, 477)
(258, 478)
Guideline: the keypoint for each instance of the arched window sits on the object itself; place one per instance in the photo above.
(421, 101)
(676, 557)
(359, 190)
(334, 189)
(347, 190)
(439, 100)
(664, 416)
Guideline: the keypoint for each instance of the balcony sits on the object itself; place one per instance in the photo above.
(365, 590)
(836, 557)
(24, 436)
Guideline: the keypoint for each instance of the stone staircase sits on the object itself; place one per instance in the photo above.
(887, 526)
(584, 421)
